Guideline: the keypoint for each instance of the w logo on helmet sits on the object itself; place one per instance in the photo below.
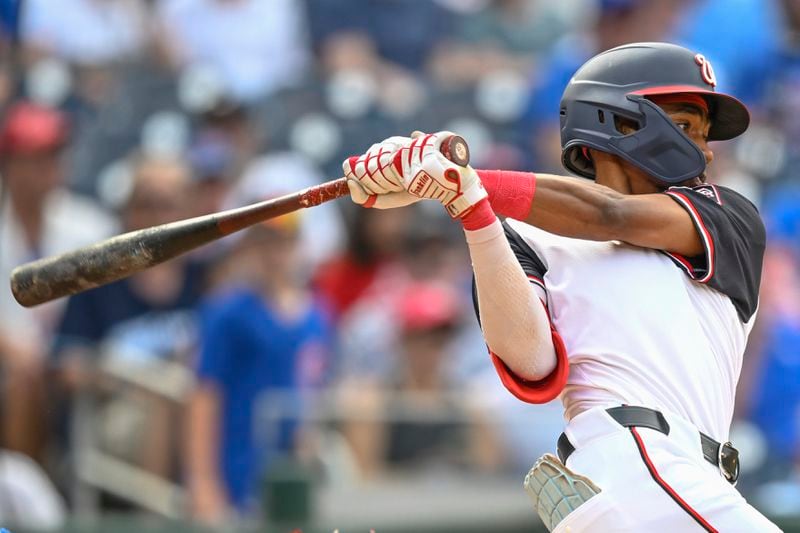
(706, 70)
(624, 78)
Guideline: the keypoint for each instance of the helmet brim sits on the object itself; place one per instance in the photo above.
(729, 116)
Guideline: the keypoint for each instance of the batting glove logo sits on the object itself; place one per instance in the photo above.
(424, 185)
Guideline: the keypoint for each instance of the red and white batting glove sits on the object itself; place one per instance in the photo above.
(427, 173)
(374, 180)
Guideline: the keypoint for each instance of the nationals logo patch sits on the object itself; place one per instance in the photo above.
(706, 70)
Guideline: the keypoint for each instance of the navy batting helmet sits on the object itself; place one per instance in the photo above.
(617, 83)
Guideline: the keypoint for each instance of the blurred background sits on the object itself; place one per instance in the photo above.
(316, 372)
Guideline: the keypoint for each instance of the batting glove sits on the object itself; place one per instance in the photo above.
(374, 179)
(429, 174)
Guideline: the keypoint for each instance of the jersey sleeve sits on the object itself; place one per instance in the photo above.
(547, 389)
(734, 239)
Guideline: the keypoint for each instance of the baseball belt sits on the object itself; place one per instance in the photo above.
(723, 456)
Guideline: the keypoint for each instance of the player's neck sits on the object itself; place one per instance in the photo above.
(629, 182)
(621, 176)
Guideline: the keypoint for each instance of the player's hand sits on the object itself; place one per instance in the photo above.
(427, 173)
(373, 178)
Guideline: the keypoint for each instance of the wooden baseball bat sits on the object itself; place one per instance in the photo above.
(121, 256)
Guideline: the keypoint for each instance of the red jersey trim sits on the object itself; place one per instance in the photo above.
(705, 236)
(543, 390)
(717, 196)
(537, 280)
(665, 486)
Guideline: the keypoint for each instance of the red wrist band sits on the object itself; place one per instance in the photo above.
(480, 216)
(510, 192)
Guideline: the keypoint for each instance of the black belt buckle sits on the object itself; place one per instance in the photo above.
(728, 461)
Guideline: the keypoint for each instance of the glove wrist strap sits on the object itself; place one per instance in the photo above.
(463, 202)
(478, 217)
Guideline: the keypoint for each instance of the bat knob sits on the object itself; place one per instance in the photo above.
(455, 149)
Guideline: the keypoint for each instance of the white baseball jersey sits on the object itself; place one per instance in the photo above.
(646, 327)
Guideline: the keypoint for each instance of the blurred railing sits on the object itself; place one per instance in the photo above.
(333, 499)
(97, 470)
(341, 500)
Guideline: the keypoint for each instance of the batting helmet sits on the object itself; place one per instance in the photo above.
(618, 82)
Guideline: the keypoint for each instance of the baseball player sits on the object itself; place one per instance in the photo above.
(629, 294)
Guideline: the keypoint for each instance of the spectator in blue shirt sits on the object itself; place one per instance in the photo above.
(266, 334)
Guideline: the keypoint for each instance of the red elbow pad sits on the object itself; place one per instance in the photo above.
(540, 391)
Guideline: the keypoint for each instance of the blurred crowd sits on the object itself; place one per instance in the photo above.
(339, 341)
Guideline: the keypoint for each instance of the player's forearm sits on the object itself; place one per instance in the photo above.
(514, 321)
(582, 209)
(577, 208)
(565, 206)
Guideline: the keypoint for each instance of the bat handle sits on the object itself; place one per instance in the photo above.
(454, 148)
(323, 193)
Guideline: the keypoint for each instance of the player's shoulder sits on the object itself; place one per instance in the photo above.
(710, 199)
(717, 194)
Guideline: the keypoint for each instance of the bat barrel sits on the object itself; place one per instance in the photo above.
(111, 260)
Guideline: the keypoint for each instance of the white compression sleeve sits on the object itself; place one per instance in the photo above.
(514, 321)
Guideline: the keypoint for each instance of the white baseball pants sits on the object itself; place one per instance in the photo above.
(651, 481)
